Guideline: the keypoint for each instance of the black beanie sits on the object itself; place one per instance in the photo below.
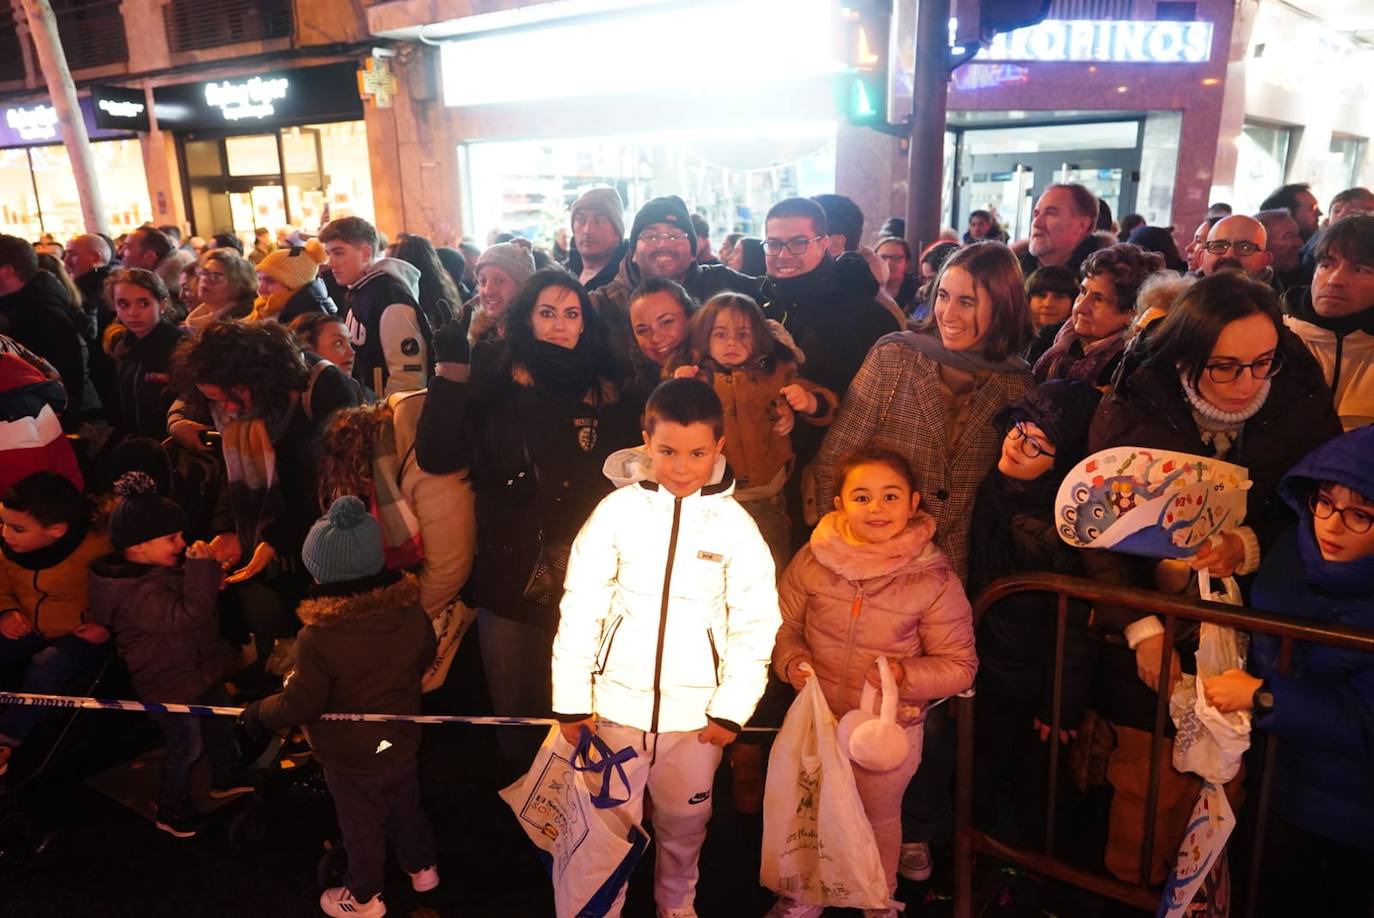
(142, 514)
(1063, 409)
(669, 209)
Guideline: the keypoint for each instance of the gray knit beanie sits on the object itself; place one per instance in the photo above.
(605, 201)
(514, 259)
(344, 544)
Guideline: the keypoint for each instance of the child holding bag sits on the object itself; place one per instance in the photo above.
(752, 365)
(871, 584)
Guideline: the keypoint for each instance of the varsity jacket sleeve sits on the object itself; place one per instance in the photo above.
(588, 590)
(948, 661)
(752, 618)
(304, 694)
(403, 348)
(857, 420)
(791, 640)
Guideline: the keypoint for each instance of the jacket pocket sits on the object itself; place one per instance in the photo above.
(603, 653)
(715, 656)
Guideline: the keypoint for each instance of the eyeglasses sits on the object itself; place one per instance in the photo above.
(1030, 446)
(656, 238)
(1222, 246)
(1264, 368)
(213, 277)
(796, 246)
(1355, 520)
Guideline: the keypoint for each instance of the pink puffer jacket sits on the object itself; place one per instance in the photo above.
(844, 605)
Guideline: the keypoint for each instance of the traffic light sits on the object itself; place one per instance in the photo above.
(862, 86)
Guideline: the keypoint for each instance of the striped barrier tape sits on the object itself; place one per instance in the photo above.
(207, 710)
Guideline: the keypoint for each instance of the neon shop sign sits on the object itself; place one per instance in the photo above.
(1121, 41)
(249, 99)
(36, 123)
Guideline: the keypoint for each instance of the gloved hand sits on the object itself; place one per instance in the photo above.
(250, 722)
(451, 344)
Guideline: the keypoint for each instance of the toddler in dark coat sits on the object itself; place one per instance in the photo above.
(364, 649)
(162, 615)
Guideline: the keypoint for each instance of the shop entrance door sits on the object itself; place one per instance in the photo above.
(1011, 183)
(256, 180)
(254, 203)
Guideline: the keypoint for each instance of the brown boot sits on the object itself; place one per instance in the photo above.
(746, 778)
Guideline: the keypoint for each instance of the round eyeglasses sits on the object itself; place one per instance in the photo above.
(1222, 246)
(1030, 446)
(1353, 518)
(796, 245)
(1228, 371)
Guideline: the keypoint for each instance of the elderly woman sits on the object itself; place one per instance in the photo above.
(1088, 348)
(1219, 376)
(227, 286)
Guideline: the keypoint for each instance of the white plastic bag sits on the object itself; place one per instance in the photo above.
(818, 846)
(588, 843)
(874, 740)
(1210, 743)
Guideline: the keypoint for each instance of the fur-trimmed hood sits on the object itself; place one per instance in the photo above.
(329, 608)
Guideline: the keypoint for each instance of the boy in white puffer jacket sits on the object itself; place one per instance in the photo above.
(668, 620)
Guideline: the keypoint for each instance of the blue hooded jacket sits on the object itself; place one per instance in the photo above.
(1324, 705)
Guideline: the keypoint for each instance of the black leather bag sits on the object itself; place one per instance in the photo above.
(544, 587)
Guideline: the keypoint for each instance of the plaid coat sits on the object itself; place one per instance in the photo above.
(896, 402)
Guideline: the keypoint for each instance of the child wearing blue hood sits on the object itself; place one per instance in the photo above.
(1319, 847)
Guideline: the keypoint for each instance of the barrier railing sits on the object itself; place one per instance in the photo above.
(969, 841)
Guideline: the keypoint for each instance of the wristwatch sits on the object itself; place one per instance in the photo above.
(1262, 702)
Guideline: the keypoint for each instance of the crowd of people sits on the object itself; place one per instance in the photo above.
(670, 488)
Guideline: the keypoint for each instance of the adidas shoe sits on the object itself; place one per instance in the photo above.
(340, 903)
(182, 822)
(791, 908)
(422, 881)
(915, 862)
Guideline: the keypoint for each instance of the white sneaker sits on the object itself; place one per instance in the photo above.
(915, 863)
(340, 903)
(791, 908)
(425, 880)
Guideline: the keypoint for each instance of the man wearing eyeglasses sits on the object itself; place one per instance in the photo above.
(828, 304)
(662, 243)
(1237, 243)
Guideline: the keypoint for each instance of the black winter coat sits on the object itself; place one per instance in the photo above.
(313, 297)
(608, 271)
(1016, 635)
(1148, 409)
(38, 316)
(536, 463)
(142, 374)
(832, 314)
(1091, 243)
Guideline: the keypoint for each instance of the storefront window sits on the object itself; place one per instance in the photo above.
(347, 174)
(123, 186)
(18, 206)
(1261, 164)
(730, 177)
(1343, 165)
(253, 155)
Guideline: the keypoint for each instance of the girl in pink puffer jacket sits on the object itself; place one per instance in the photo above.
(871, 583)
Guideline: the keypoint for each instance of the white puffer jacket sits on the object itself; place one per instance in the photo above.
(662, 644)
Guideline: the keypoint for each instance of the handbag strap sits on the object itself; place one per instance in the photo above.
(609, 764)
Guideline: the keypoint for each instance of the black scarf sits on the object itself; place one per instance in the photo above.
(54, 554)
(560, 372)
(1339, 326)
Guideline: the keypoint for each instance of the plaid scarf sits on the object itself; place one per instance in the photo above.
(250, 462)
(400, 525)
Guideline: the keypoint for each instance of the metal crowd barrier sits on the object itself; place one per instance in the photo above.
(969, 841)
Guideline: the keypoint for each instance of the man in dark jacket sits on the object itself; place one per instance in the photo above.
(829, 305)
(662, 243)
(598, 223)
(33, 313)
(389, 330)
(88, 261)
(364, 649)
(1062, 228)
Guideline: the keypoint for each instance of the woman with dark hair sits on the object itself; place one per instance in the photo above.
(901, 283)
(933, 258)
(1218, 376)
(439, 296)
(660, 313)
(1088, 348)
(227, 287)
(748, 257)
(931, 394)
(326, 336)
(983, 226)
(141, 342)
(251, 382)
(1050, 292)
(534, 426)
(1161, 241)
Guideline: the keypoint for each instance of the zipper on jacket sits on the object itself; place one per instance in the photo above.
(605, 652)
(857, 605)
(1336, 370)
(715, 656)
(663, 611)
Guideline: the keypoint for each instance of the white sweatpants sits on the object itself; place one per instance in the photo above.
(678, 771)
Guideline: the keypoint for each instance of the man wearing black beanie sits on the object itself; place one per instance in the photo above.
(663, 243)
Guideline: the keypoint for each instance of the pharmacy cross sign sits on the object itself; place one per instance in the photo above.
(377, 81)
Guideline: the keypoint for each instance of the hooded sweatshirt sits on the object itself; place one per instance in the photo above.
(1344, 348)
(669, 610)
(364, 649)
(388, 328)
(846, 604)
(1323, 711)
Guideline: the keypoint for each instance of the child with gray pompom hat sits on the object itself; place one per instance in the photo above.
(364, 648)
